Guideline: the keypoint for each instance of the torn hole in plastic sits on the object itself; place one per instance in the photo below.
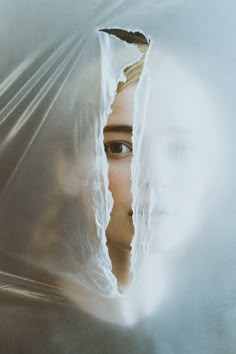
(118, 142)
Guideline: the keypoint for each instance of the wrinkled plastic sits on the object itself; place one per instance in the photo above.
(59, 75)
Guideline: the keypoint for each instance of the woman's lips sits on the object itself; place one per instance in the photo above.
(119, 246)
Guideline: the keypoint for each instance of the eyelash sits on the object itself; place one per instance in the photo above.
(117, 154)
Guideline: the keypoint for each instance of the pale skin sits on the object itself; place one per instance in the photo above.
(118, 148)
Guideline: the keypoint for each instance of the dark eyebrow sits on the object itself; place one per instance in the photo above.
(118, 128)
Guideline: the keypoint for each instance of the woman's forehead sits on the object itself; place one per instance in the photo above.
(123, 107)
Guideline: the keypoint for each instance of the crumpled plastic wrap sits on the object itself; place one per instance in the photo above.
(60, 67)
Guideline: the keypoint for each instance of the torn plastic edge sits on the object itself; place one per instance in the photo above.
(105, 114)
(144, 81)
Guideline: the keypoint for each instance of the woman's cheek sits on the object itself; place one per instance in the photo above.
(120, 180)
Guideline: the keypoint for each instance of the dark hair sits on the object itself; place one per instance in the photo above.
(137, 38)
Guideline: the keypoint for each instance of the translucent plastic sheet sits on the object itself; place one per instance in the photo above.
(117, 208)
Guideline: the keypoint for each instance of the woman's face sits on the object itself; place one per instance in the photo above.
(118, 148)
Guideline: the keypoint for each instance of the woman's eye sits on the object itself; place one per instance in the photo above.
(117, 148)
